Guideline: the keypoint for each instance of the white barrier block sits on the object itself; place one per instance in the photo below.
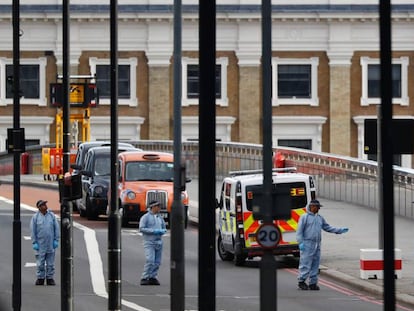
(372, 263)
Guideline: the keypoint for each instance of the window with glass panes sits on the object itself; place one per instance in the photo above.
(295, 143)
(294, 81)
(374, 81)
(29, 81)
(103, 81)
(193, 82)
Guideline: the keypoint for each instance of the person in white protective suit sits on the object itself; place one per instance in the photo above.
(45, 233)
(152, 227)
(309, 236)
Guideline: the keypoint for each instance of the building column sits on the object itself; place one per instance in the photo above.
(159, 102)
(159, 54)
(250, 103)
(340, 104)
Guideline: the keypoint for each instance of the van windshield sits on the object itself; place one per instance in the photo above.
(297, 191)
(157, 171)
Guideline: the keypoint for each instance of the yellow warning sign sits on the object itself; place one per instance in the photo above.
(77, 94)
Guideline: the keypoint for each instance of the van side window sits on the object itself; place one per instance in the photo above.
(220, 203)
(227, 196)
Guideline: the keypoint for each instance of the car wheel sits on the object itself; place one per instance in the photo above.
(82, 212)
(124, 220)
(186, 218)
(89, 213)
(223, 254)
(75, 206)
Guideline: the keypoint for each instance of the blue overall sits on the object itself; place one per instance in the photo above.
(309, 235)
(152, 243)
(44, 230)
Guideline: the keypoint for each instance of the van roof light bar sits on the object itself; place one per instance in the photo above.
(274, 170)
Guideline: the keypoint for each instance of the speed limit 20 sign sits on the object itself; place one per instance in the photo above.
(268, 236)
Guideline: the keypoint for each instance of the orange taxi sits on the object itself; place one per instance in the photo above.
(146, 176)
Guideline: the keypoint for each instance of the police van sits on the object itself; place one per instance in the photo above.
(238, 222)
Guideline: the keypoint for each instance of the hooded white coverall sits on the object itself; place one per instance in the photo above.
(309, 233)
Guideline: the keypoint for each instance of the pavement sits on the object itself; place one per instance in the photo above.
(341, 254)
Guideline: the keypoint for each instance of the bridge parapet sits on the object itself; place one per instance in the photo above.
(337, 177)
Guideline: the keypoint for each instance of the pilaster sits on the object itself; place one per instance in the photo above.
(249, 96)
(159, 97)
(340, 103)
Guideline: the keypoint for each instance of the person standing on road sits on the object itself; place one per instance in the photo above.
(309, 237)
(152, 227)
(45, 234)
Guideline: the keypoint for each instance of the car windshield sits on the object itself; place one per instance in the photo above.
(102, 166)
(159, 171)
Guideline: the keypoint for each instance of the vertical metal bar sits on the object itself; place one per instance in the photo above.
(268, 292)
(66, 206)
(17, 225)
(114, 219)
(380, 181)
(177, 212)
(387, 154)
(207, 162)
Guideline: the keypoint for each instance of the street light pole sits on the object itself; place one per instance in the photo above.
(114, 219)
(268, 291)
(177, 212)
(66, 205)
(207, 162)
(17, 230)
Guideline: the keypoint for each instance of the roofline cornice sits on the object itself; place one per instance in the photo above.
(305, 13)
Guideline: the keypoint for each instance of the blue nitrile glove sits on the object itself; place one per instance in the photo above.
(35, 246)
(159, 231)
(55, 244)
(344, 230)
(301, 246)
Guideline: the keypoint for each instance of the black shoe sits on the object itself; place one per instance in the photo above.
(303, 286)
(145, 282)
(153, 281)
(40, 282)
(314, 287)
(50, 282)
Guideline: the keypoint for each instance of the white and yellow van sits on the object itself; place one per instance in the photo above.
(237, 224)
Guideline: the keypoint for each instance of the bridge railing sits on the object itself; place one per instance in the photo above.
(337, 177)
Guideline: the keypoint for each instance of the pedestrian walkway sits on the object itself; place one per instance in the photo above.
(340, 253)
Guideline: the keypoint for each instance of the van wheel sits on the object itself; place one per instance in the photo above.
(240, 259)
(223, 254)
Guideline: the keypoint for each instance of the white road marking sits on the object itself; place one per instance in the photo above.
(95, 261)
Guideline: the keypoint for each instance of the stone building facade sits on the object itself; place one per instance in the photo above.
(325, 69)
